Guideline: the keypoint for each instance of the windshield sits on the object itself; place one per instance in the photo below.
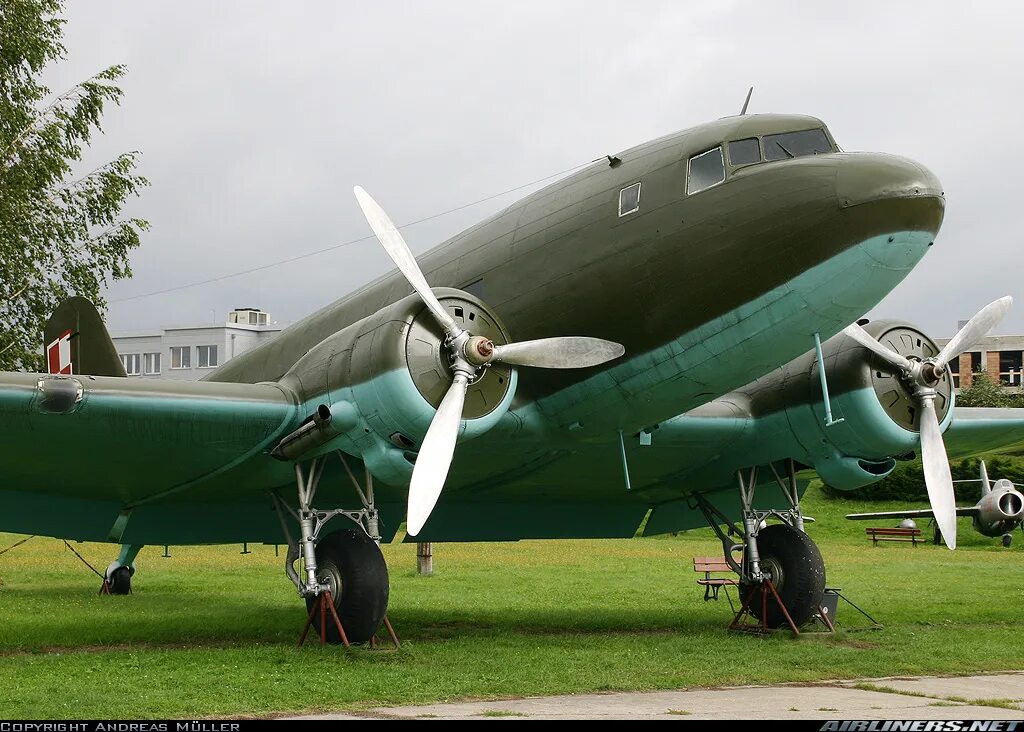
(796, 144)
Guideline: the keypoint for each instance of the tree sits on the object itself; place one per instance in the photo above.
(61, 233)
(985, 391)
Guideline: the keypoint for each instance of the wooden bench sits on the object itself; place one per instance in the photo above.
(880, 534)
(710, 566)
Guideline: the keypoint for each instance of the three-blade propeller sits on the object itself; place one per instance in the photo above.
(470, 354)
(922, 377)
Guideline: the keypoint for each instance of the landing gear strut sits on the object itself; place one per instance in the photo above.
(782, 574)
(344, 570)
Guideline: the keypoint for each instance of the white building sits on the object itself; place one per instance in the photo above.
(191, 352)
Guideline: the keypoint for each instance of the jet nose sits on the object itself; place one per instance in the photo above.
(894, 186)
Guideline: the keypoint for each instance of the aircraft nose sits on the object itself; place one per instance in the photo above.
(891, 186)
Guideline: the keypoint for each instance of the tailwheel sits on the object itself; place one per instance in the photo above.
(352, 566)
(120, 581)
(797, 570)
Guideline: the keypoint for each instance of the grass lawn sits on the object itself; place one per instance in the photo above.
(212, 632)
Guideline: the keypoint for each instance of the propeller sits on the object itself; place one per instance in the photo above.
(470, 355)
(921, 377)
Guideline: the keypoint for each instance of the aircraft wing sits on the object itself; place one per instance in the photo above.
(976, 430)
(127, 441)
(911, 513)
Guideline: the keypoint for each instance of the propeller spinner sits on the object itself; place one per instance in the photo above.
(921, 377)
(470, 353)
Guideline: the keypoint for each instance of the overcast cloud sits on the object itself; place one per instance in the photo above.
(255, 119)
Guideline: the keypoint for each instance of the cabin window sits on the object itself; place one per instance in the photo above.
(744, 152)
(705, 170)
(796, 144)
(629, 199)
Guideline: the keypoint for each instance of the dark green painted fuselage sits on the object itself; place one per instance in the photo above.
(706, 290)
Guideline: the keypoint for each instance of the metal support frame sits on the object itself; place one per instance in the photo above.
(312, 521)
(753, 519)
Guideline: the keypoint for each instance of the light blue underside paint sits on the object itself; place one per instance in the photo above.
(643, 389)
(735, 348)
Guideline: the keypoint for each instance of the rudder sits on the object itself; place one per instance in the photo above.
(77, 341)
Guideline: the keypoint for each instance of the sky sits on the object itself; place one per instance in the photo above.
(255, 119)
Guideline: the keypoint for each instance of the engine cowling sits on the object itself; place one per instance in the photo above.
(385, 376)
(879, 418)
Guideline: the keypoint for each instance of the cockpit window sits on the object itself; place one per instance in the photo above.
(705, 170)
(796, 144)
(744, 152)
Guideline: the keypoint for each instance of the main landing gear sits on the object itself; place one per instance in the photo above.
(782, 574)
(345, 578)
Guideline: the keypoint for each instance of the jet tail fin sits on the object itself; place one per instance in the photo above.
(77, 341)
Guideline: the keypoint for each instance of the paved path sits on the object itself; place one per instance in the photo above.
(966, 697)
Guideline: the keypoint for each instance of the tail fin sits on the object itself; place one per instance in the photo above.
(77, 341)
(986, 486)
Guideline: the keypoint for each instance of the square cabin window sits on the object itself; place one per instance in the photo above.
(705, 170)
(744, 152)
(629, 199)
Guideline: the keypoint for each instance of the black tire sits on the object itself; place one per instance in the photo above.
(1007, 539)
(121, 581)
(353, 565)
(797, 571)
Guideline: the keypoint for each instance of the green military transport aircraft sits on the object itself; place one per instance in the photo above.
(662, 339)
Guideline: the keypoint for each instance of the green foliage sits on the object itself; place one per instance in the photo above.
(906, 482)
(986, 392)
(60, 235)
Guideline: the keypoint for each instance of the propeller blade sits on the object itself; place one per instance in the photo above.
(865, 339)
(435, 456)
(986, 487)
(936, 473)
(390, 238)
(985, 320)
(566, 352)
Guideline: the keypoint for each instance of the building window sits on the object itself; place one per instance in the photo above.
(181, 357)
(151, 363)
(705, 170)
(207, 356)
(744, 152)
(629, 199)
(1010, 364)
(132, 363)
(263, 319)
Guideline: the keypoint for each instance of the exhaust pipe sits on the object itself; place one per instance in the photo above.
(321, 427)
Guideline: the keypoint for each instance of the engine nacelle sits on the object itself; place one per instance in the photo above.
(385, 376)
(879, 417)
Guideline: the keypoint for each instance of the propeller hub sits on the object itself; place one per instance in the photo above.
(478, 350)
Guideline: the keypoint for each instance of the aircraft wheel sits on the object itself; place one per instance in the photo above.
(121, 581)
(353, 565)
(1007, 539)
(797, 570)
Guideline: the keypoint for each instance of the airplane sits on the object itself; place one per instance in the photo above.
(998, 513)
(668, 337)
